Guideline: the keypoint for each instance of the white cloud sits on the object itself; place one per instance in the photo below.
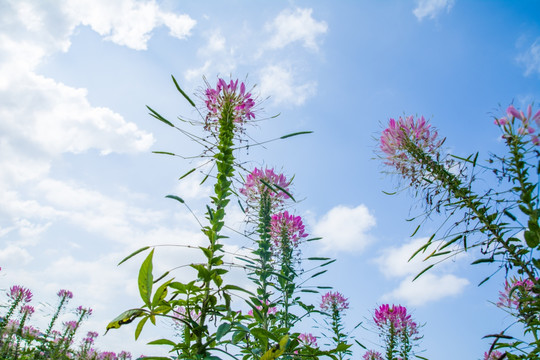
(431, 8)
(128, 22)
(530, 59)
(433, 285)
(345, 229)
(277, 82)
(296, 25)
(427, 288)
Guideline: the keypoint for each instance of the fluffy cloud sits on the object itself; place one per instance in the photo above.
(530, 59)
(279, 83)
(431, 8)
(434, 285)
(345, 229)
(296, 25)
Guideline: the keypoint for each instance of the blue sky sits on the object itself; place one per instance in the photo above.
(80, 188)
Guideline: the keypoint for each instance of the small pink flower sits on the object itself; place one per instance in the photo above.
(513, 292)
(525, 125)
(308, 340)
(83, 311)
(65, 294)
(372, 355)
(124, 355)
(71, 325)
(27, 310)
(19, 293)
(494, 355)
(334, 302)
(272, 310)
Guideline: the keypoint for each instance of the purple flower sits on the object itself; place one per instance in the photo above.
(83, 311)
(372, 355)
(107, 355)
(285, 225)
(228, 98)
(308, 340)
(395, 317)
(255, 188)
(18, 293)
(71, 325)
(124, 355)
(494, 355)
(513, 292)
(525, 125)
(334, 302)
(406, 135)
(27, 310)
(65, 294)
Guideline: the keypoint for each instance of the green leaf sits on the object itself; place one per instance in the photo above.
(423, 271)
(159, 117)
(319, 258)
(163, 153)
(314, 239)
(389, 193)
(182, 92)
(479, 261)
(531, 239)
(174, 197)
(161, 293)
(140, 326)
(133, 254)
(186, 174)
(162, 342)
(415, 231)
(277, 350)
(285, 191)
(295, 134)
(124, 318)
(222, 330)
(146, 279)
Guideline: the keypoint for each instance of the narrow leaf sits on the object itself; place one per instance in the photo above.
(133, 254)
(163, 153)
(186, 174)
(295, 134)
(182, 92)
(423, 271)
(174, 197)
(159, 117)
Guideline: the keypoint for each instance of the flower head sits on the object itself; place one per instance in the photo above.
(19, 293)
(65, 294)
(27, 310)
(513, 292)
(286, 226)
(308, 340)
(82, 311)
(334, 302)
(107, 355)
(124, 355)
(494, 355)
(71, 325)
(372, 355)
(228, 98)
(265, 183)
(406, 135)
(525, 123)
(272, 310)
(395, 317)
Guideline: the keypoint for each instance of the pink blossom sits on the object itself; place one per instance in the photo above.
(27, 310)
(30, 332)
(65, 294)
(395, 317)
(107, 355)
(228, 97)
(181, 313)
(494, 355)
(286, 225)
(124, 355)
(333, 302)
(71, 325)
(19, 293)
(308, 340)
(372, 355)
(513, 291)
(83, 311)
(396, 141)
(525, 125)
(255, 188)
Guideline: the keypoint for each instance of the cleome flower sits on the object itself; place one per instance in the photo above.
(284, 225)
(372, 355)
(494, 355)
(308, 340)
(406, 135)
(265, 183)
(230, 98)
(334, 302)
(526, 123)
(513, 292)
(19, 293)
(65, 294)
(395, 317)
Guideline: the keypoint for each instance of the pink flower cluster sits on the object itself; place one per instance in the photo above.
(513, 290)
(254, 187)
(181, 313)
(526, 128)
(228, 95)
(399, 134)
(90, 336)
(65, 294)
(494, 355)
(334, 302)
(372, 355)
(396, 317)
(285, 224)
(308, 340)
(19, 293)
(27, 310)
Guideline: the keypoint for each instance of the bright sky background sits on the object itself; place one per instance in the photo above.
(80, 189)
